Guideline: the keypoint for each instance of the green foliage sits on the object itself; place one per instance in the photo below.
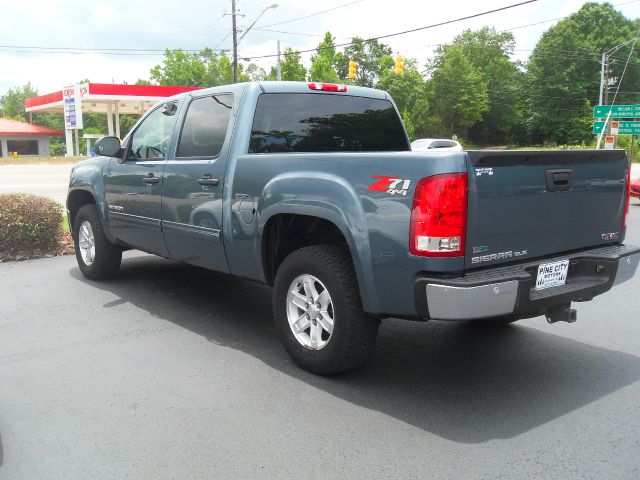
(180, 68)
(489, 53)
(373, 58)
(28, 222)
(291, 66)
(203, 69)
(564, 72)
(457, 92)
(12, 103)
(255, 73)
(323, 65)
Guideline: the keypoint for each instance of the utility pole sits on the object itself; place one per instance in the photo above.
(235, 41)
(606, 83)
(279, 68)
(602, 67)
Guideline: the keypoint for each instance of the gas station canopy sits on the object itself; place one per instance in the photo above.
(106, 97)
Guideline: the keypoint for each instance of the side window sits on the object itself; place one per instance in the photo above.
(205, 126)
(151, 139)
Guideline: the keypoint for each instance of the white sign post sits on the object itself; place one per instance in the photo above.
(609, 142)
(71, 97)
(614, 128)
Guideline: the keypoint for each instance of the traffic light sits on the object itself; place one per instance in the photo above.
(399, 68)
(353, 69)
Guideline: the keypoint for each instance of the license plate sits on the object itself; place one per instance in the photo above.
(552, 274)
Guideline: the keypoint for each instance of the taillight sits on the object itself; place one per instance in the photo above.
(327, 87)
(627, 198)
(439, 216)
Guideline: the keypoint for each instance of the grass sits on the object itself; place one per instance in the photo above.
(65, 224)
(40, 160)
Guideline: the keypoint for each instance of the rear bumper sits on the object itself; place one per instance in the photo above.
(509, 292)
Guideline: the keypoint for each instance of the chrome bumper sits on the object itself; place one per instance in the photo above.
(513, 294)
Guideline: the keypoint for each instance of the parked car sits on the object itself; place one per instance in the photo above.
(635, 188)
(440, 144)
(311, 188)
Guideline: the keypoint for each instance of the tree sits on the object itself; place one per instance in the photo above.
(457, 93)
(12, 103)
(202, 69)
(180, 68)
(323, 65)
(373, 58)
(489, 53)
(291, 67)
(256, 73)
(563, 78)
(408, 91)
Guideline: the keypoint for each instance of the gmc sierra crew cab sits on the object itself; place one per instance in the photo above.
(312, 188)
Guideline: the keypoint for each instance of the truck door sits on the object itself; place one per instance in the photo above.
(193, 183)
(134, 184)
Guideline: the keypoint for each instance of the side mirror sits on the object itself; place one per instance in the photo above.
(107, 146)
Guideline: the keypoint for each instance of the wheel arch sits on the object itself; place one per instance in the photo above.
(76, 199)
(285, 228)
(79, 197)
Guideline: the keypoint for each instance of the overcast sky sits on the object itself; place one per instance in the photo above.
(29, 25)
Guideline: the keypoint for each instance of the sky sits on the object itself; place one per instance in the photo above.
(142, 29)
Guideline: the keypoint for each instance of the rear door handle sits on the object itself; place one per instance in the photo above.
(208, 181)
(150, 179)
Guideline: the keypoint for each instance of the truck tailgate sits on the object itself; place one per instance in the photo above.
(528, 204)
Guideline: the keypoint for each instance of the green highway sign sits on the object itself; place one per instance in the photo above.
(617, 111)
(624, 128)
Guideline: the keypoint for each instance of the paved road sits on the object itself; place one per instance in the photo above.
(171, 372)
(52, 180)
(47, 180)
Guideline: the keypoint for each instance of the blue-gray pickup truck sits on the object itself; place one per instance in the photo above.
(312, 188)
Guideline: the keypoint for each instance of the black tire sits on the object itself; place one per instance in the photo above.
(354, 333)
(107, 258)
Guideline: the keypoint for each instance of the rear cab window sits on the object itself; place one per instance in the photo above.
(303, 122)
(205, 127)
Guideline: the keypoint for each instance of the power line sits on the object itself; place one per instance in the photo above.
(312, 15)
(447, 22)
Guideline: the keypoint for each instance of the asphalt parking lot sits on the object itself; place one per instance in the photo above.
(171, 372)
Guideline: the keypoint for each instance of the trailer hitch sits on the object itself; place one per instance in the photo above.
(562, 313)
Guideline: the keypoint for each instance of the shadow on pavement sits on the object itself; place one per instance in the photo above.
(456, 381)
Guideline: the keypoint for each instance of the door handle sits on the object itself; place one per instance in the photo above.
(150, 179)
(208, 181)
(559, 180)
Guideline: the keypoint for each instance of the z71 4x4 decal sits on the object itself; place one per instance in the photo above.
(391, 185)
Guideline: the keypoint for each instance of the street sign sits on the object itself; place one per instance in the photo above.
(624, 128)
(72, 107)
(609, 143)
(617, 111)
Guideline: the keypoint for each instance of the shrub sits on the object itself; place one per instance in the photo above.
(28, 223)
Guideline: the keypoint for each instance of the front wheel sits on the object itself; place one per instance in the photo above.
(97, 257)
(318, 312)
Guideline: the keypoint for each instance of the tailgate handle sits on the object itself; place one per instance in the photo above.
(559, 180)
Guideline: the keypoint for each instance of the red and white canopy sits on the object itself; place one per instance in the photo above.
(108, 98)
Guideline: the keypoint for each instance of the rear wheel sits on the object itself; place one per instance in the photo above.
(318, 312)
(97, 257)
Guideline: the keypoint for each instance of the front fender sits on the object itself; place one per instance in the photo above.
(88, 177)
(331, 198)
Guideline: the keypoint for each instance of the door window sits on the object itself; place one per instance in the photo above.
(205, 126)
(151, 139)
